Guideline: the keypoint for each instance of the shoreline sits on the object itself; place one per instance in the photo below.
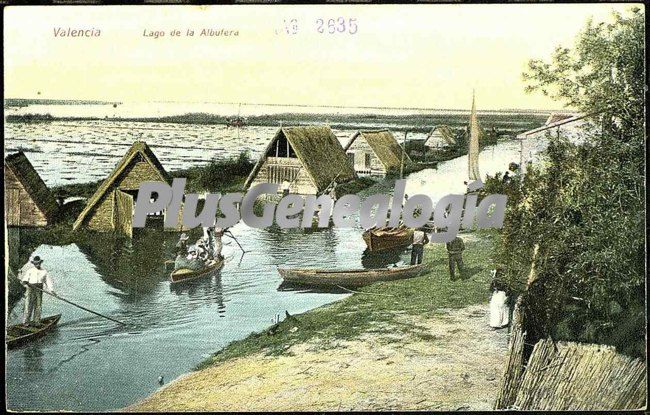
(428, 335)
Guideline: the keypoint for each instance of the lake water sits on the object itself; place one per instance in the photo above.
(61, 150)
(90, 363)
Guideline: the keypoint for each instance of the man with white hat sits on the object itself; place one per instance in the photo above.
(35, 279)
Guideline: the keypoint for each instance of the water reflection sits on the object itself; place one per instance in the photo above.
(383, 259)
(35, 358)
(194, 293)
(288, 286)
(134, 267)
(169, 329)
(93, 364)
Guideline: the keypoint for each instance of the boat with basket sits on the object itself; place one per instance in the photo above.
(348, 278)
(185, 275)
(21, 334)
(382, 239)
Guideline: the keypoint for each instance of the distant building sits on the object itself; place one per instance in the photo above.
(570, 126)
(440, 137)
(28, 201)
(302, 160)
(375, 153)
(111, 207)
(560, 124)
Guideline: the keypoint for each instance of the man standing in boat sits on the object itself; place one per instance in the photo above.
(417, 251)
(455, 250)
(218, 242)
(35, 279)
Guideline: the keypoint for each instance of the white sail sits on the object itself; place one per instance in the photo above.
(472, 155)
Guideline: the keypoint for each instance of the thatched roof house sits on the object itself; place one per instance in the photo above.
(375, 153)
(306, 160)
(28, 201)
(440, 136)
(111, 207)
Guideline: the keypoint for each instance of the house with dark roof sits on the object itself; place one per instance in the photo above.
(375, 153)
(110, 208)
(306, 160)
(28, 201)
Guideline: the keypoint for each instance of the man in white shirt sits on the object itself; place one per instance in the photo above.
(25, 267)
(35, 279)
(218, 242)
(417, 251)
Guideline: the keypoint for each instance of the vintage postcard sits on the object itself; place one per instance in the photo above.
(325, 207)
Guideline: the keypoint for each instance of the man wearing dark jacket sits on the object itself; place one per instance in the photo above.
(455, 250)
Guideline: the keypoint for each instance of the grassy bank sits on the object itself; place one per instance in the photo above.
(377, 309)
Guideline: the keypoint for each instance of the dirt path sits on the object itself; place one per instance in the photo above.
(457, 366)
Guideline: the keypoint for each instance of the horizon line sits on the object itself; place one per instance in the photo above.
(251, 104)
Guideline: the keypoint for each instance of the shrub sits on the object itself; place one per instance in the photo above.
(586, 208)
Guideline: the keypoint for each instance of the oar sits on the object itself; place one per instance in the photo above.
(78, 306)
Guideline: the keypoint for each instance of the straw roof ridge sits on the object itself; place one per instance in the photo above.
(138, 147)
(20, 165)
(384, 145)
(319, 151)
(445, 132)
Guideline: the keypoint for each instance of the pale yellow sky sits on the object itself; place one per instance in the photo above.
(425, 56)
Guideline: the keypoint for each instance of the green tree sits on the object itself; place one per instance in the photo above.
(603, 73)
(585, 208)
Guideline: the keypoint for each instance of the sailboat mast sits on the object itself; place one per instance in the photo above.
(401, 167)
(238, 121)
(473, 150)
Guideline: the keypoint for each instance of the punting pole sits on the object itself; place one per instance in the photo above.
(79, 306)
(235, 239)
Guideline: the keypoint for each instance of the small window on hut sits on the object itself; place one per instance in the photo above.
(367, 160)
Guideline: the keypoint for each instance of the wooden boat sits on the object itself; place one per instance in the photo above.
(21, 334)
(184, 274)
(348, 278)
(381, 239)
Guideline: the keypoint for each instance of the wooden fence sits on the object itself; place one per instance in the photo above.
(568, 375)
(576, 376)
(515, 365)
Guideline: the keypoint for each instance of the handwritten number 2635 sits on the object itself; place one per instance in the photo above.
(339, 25)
